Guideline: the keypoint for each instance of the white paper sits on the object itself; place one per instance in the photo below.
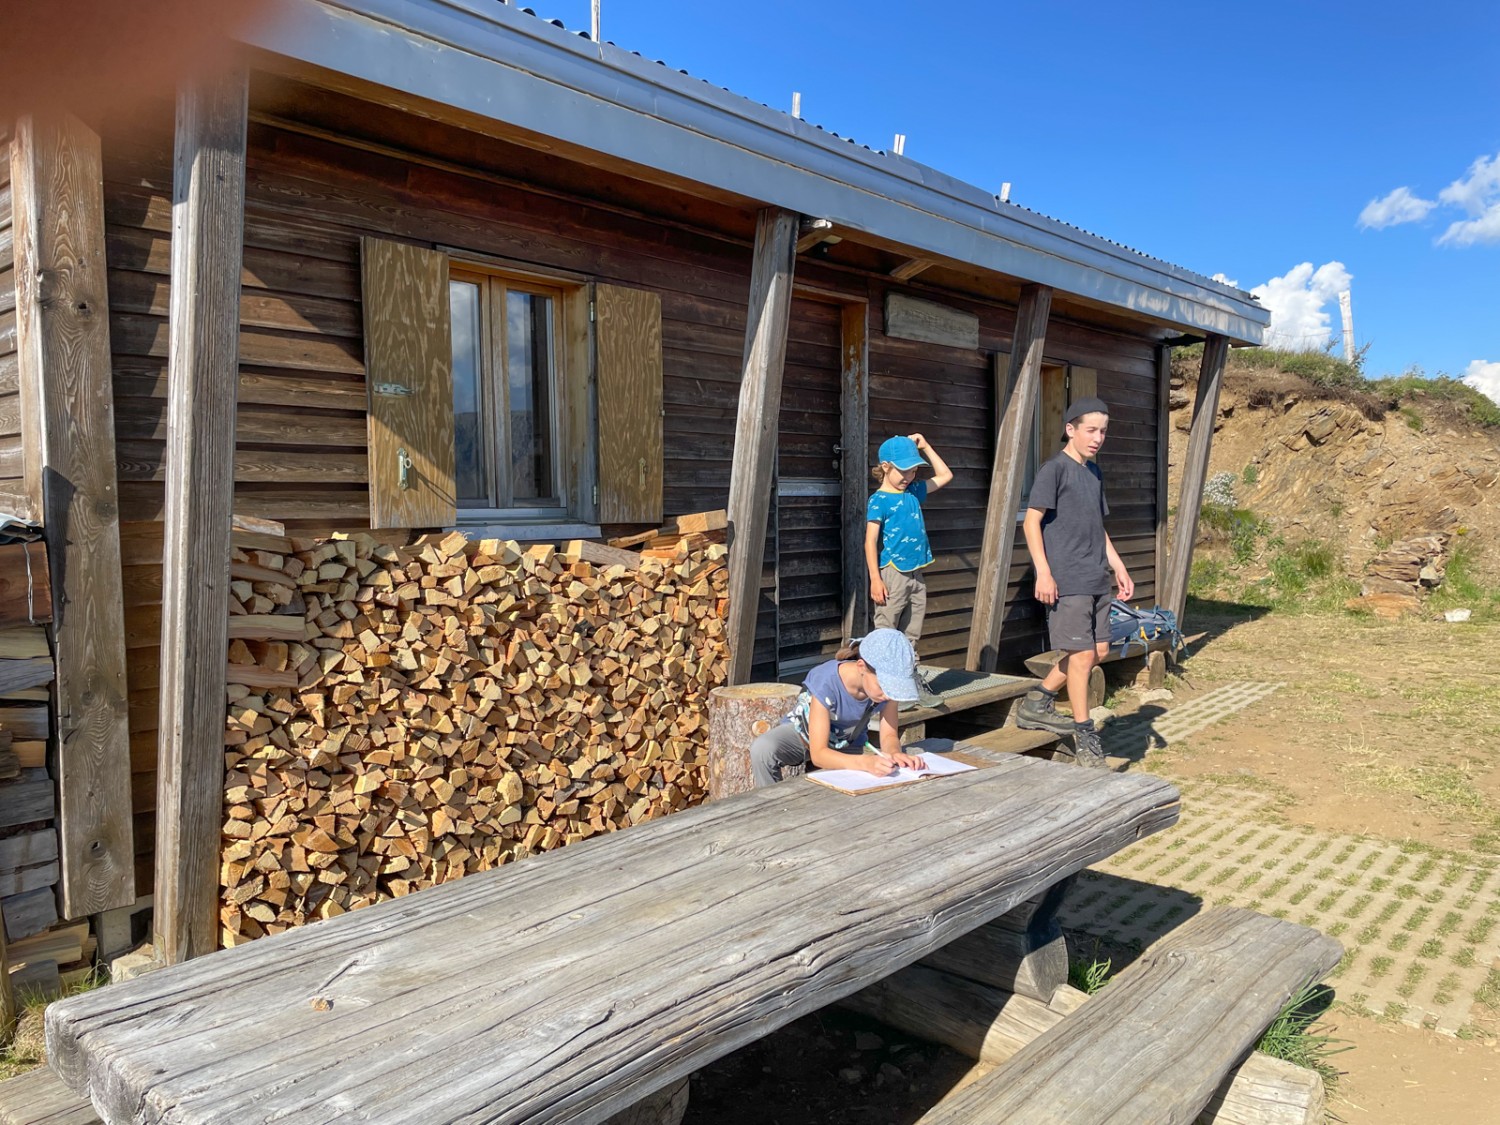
(936, 765)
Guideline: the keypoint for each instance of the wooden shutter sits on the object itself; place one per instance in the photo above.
(1083, 382)
(627, 333)
(409, 375)
(1052, 407)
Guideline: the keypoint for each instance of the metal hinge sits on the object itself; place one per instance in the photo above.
(393, 389)
(596, 494)
(591, 312)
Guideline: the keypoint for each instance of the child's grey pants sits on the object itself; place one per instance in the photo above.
(905, 602)
(772, 752)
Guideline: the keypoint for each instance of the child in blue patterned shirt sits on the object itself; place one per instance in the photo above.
(896, 547)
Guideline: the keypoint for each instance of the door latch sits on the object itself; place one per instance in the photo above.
(404, 464)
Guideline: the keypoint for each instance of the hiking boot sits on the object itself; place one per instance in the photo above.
(1037, 712)
(1087, 749)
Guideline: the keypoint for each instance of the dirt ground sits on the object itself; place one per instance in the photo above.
(1385, 731)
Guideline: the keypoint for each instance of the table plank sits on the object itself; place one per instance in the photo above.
(563, 988)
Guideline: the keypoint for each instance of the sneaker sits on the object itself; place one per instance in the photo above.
(925, 695)
(1088, 750)
(1037, 712)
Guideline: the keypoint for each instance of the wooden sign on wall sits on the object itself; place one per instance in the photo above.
(911, 318)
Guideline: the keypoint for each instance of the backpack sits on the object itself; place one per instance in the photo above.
(1132, 631)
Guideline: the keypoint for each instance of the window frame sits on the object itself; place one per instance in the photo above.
(494, 280)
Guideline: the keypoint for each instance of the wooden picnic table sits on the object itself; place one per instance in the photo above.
(568, 986)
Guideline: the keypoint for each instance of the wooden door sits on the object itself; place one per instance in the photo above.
(808, 514)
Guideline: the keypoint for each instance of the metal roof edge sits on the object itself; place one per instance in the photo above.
(488, 58)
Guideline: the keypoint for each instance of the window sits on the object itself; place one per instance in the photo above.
(523, 401)
(507, 394)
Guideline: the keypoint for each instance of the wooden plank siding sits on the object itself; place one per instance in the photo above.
(12, 460)
(302, 431)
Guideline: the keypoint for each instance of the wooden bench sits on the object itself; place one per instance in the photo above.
(1157, 1044)
(569, 986)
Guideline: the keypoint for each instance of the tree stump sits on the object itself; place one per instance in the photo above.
(737, 716)
(1097, 687)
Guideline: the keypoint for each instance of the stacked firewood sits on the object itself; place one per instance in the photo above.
(401, 716)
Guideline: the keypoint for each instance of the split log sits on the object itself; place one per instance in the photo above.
(399, 716)
(25, 585)
(737, 716)
(19, 675)
(29, 643)
(583, 550)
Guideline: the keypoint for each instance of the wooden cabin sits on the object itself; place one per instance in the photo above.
(443, 264)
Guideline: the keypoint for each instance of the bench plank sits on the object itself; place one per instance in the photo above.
(1155, 1044)
(38, 1097)
(566, 987)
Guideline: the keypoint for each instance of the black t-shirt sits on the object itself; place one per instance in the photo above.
(1072, 495)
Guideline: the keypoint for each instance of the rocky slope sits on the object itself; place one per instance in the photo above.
(1346, 468)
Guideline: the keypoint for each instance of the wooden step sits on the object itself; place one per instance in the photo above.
(962, 691)
(1010, 740)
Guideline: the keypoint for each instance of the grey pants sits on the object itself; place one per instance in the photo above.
(905, 602)
(774, 751)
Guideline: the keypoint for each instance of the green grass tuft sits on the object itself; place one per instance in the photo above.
(1291, 1038)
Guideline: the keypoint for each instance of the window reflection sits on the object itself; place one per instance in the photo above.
(470, 461)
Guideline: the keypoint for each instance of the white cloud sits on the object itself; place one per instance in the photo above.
(1297, 300)
(1478, 193)
(1223, 280)
(1400, 206)
(1484, 377)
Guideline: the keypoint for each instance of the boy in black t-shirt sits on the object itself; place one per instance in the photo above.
(1074, 562)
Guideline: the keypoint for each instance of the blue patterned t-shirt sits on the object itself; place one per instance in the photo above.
(903, 532)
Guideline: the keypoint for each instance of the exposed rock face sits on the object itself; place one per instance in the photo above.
(1320, 468)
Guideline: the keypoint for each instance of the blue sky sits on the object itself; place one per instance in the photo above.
(1233, 139)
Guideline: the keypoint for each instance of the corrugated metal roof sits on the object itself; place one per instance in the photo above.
(877, 151)
(497, 61)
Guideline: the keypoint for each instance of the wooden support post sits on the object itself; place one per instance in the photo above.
(1195, 473)
(750, 478)
(1163, 465)
(1023, 951)
(854, 440)
(1024, 378)
(62, 315)
(208, 191)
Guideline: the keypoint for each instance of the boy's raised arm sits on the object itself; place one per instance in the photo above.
(941, 474)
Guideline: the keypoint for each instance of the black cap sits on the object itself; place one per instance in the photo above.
(1085, 406)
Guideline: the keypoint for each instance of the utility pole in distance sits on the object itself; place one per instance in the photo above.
(1347, 309)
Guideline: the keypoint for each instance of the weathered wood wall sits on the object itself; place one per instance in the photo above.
(12, 464)
(346, 169)
(947, 394)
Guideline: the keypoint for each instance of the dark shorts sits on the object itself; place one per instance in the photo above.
(1078, 622)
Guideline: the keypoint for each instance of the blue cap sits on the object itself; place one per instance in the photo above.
(902, 453)
(890, 656)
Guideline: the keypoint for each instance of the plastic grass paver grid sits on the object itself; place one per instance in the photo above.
(1420, 947)
(1132, 736)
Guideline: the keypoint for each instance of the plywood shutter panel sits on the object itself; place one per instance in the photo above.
(1053, 406)
(409, 372)
(628, 344)
(1083, 382)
